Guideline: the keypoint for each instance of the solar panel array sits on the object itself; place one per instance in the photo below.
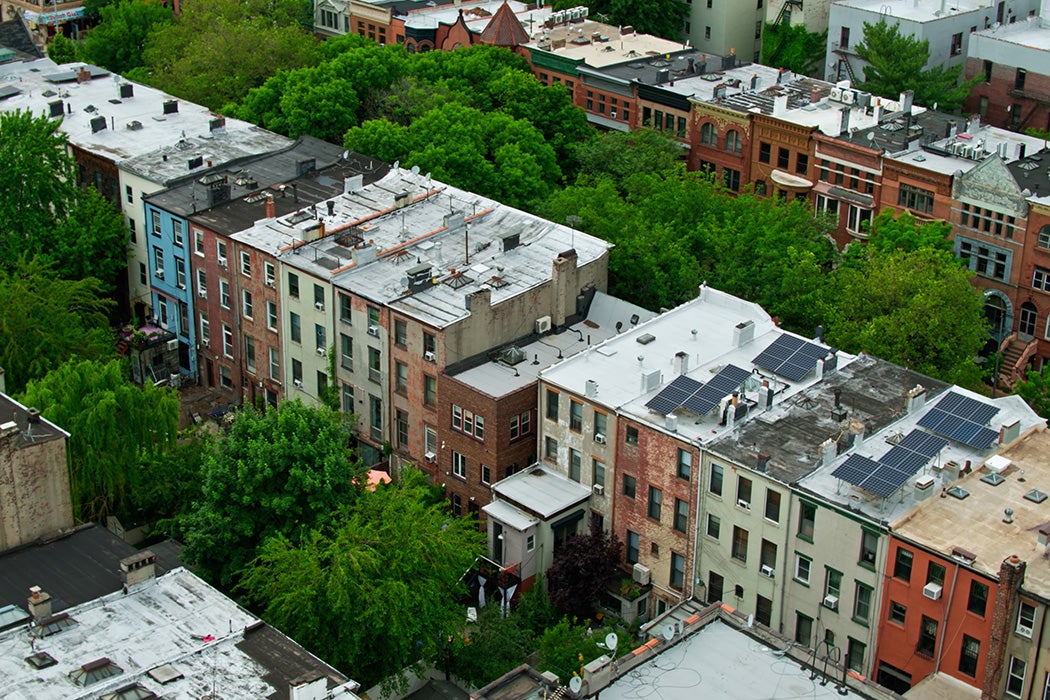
(684, 392)
(791, 357)
(962, 419)
(887, 474)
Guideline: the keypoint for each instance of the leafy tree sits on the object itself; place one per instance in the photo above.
(491, 647)
(283, 472)
(582, 569)
(566, 648)
(113, 425)
(62, 49)
(793, 47)
(896, 63)
(45, 320)
(167, 484)
(1035, 390)
(915, 308)
(376, 590)
(658, 17)
(621, 154)
(117, 42)
(891, 231)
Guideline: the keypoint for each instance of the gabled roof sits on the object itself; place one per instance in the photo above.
(504, 29)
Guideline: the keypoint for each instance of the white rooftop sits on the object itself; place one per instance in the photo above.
(476, 14)
(963, 151)
(915, 10)
(576, 41)
(135, 131)
(372, 244)
(542, 490)
(175, 635)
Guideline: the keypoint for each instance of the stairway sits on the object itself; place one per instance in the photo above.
(1011, 357)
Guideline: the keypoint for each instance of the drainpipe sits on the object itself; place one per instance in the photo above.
(699, 540)
(784, 563)
(1038, 648)
(944, 620)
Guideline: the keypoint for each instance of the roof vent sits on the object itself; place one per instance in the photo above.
(993, 479)
(512, 355)
(963, 555)
(1008, 515)
(126, 91)
(40, 660)
(1035, 496)
(646, 338)
(958, 492)
(171, 107)
(95, 671)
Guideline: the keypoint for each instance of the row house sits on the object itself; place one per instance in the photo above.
(760, 469)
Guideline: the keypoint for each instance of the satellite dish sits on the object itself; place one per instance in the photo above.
(611, 640)
(415, 170)
(575, 684)
(404, 282)
(668, 632)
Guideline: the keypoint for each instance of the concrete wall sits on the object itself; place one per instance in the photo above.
(34, 489)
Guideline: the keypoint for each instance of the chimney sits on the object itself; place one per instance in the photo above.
(767, 393)
(591, 388)
(915, 398)
(907, 98)
(1044, 535)
(83, 75)
(743, 333)
(780, 76)
(312, 685)
(1020, 151)
(353, 184)
(1009, 433)
(844, 126)
(39, 603)
(826, 451)
(731, 59)
(137, 569)
(33, 415)
(973, 125)
(271, 207)
(681, 362)
(780, 105)
(856, 427)
(331, 207)
(755, 81)
(1011, 574)
(671, 422)
(762, 462)
(814, 95)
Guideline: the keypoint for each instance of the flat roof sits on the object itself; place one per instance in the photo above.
(497, 378)
(510, 515)
(718, 661)
(542, 490)
(976, 523)
(174, 635)
(461, 242)
(30, 433)
(476, 15)
(941, 686)
(1030, 32)
(963, 149)
(915, 10)
(137, 133)
(598, 44)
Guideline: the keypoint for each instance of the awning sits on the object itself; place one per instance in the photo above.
(509, 516)
(851, 196)
(790, 182)
(607, 123)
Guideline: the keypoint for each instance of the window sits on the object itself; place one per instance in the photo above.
(988, 71)
(129, 194)
(271, 315)
(631, 550)
(550, 448)
(400, 377)
(1019, 79)
(935, 573)
(319, 297)
(1025, 619)
(681, 515)
(803, 566)
(869, 544)
(715, 484)
(714, 526)
(832, 582)
(205, 329)
(655, 500)
(807, 517)
(224, 294)
(552, 405)
(375, 417)
(158, 262)
(246, 263)
(220, 252)
(486, 474)
(971, 650)
(803, 629)
(956, 48)
(767, 555)
(269, 273)
(459, 465)
(743, 491)
(400, 332)
(597, 473)
(575, 464)
(927, 637)
(600, 425)
(180, 273)
(862, 603)
(991, 261)
(575, 415)
(685, 464)
(773, 505)
(844, 37)
(902, 565)
(1046, 686)
(855, 655)
(198, 242)
(227, 341)
(708, 135)
(915, 198)
(1015, 677)
(246, 303)
(630, 486)
(707, 33)
(345, 308)
(631, 435)
(296, 327)
(677, 570)
(429, 438)
(155, 220)
(429, 389)
(293, 285)
(249, 353)
(1041, 279)
(322, 383)
(731, 179)
(978, 599)
(740, 543)
(320, 337)
(429, 342)
(275, 364)
(530, 543)
(802, 164)
(734, 144)
(764, 152)
(520, 425)
(898, 612)
(783, 158)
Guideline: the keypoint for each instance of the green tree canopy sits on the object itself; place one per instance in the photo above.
(896, 62)
(620, 154)
(657, 17)
(378, 588)
(793, 47)
(891, 230)
(113, 426)
(282, 472)
(566, 647)
(46, 320)
(1035, 389)
(116, 43)
(62, 49)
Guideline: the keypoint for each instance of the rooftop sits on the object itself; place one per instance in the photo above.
(541, 490)
(33, 428)
(174, 636)
(422, 247)
(916, 10)
(606, 317)
(477, 15)
(975, 522)
(146, 130)
(1030, 32)
(597, 44)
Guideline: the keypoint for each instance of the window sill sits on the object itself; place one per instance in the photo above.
(866, 565)
(863, 623)
(800, 582)
(804, 538)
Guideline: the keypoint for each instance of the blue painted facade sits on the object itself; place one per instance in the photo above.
(171, 285)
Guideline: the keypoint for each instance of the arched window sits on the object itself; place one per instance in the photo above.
(708, 135)
(734, 144)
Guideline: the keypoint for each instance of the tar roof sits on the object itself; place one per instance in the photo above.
(132, 126)
(30, 431)
(175, 628)
(976, 523)
(541, 490)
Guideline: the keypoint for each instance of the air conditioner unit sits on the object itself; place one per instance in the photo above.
(848, 97)
(767, 570)
(543, 324)
(181, 286)
(599, 490)
(298, 383)
(599, 438)
(269, 283)
(373, 331)
(641, 574)
(831, 601)
(430, 457)
(202, 293)
(160, 272)
(319, 305)
(746, 505)
(223, 262)
(173, 344)
(835, 95)
(1024, 631)
(932, 591)
(612, 114)
(429, 356)
(206, 343)
(322, 351)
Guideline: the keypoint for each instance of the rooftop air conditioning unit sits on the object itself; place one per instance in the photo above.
(429, 356)
(641, 574)
(298, 383)
(932, 591)
(767, 570)
(373, 331)
(320, 307)
(848, 97)
(599, 438)
(322, 351)
(173, 344)
(831, 601)
(599, 490)
(835, 95)
(543, 324)
(430, 457)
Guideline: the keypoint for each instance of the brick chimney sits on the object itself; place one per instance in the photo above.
(271, 208)
(1011, 574)
(39, 603)
(83, 75)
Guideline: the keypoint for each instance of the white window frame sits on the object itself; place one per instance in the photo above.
(1011, 675)
(246, 263)
(1022, 628)
(198, 242)
(799, 558)
(224, 294)
(247, 304)
(459, 464)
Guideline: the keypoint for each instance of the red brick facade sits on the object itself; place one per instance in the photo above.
(1007, 96)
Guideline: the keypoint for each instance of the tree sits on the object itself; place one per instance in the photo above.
(116, 43)
(489, 648)
(62, 49)
(378, 588)
(45, 320)
(896, 62)
(915, 308)
(113, 425)
(892, 231)
(582, 569)
(283, 472)
(167, 484)
(793, 47)
(1035, 390)
(566, 648)
(621, 154)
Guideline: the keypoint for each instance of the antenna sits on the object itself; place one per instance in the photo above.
(575, 684)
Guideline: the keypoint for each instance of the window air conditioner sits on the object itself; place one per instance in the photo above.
(599, 490)
(768, 570)
(269, 283)
(223, 262)
(932, 591)
(429, 356)
(430, 457)
(322, 351)
(202, 293)
(641, 574)
(206, 343)
(599, 438)
(160, 272)
(319, 305)
(831, 601)
(298, 383)
(173, 344)
(746, 505)
(373, 331)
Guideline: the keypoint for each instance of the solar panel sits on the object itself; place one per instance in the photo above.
(721, 385)
(962, 419)
(790, 357)
(923, 443)
(8, 91)
(856, 469)
(884, 482)
(672, 396)
(884, 476)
